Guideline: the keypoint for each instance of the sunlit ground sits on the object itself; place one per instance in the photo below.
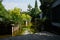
(25, 31)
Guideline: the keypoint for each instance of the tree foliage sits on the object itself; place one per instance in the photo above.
(3, 12)
(15, 15)
(34, 12)
(26, 17)
(29, 7)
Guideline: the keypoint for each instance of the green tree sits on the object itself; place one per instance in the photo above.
(34, 13)
(26, 17)
(36, 8)
(4, 14)
(29, 7)
(15, 15)
(3, 11)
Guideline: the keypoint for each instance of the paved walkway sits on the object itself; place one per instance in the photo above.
(36, 36)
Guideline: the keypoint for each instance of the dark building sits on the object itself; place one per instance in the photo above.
(51, 9)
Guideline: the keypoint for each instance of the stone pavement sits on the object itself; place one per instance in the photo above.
(36, 36)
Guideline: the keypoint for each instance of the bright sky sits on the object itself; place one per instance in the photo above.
(23, 4)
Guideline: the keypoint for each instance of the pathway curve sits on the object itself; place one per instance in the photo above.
(36, 36)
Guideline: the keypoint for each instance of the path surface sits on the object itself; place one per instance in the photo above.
(36, 36)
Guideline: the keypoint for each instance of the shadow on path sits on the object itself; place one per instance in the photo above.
(36, 36)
